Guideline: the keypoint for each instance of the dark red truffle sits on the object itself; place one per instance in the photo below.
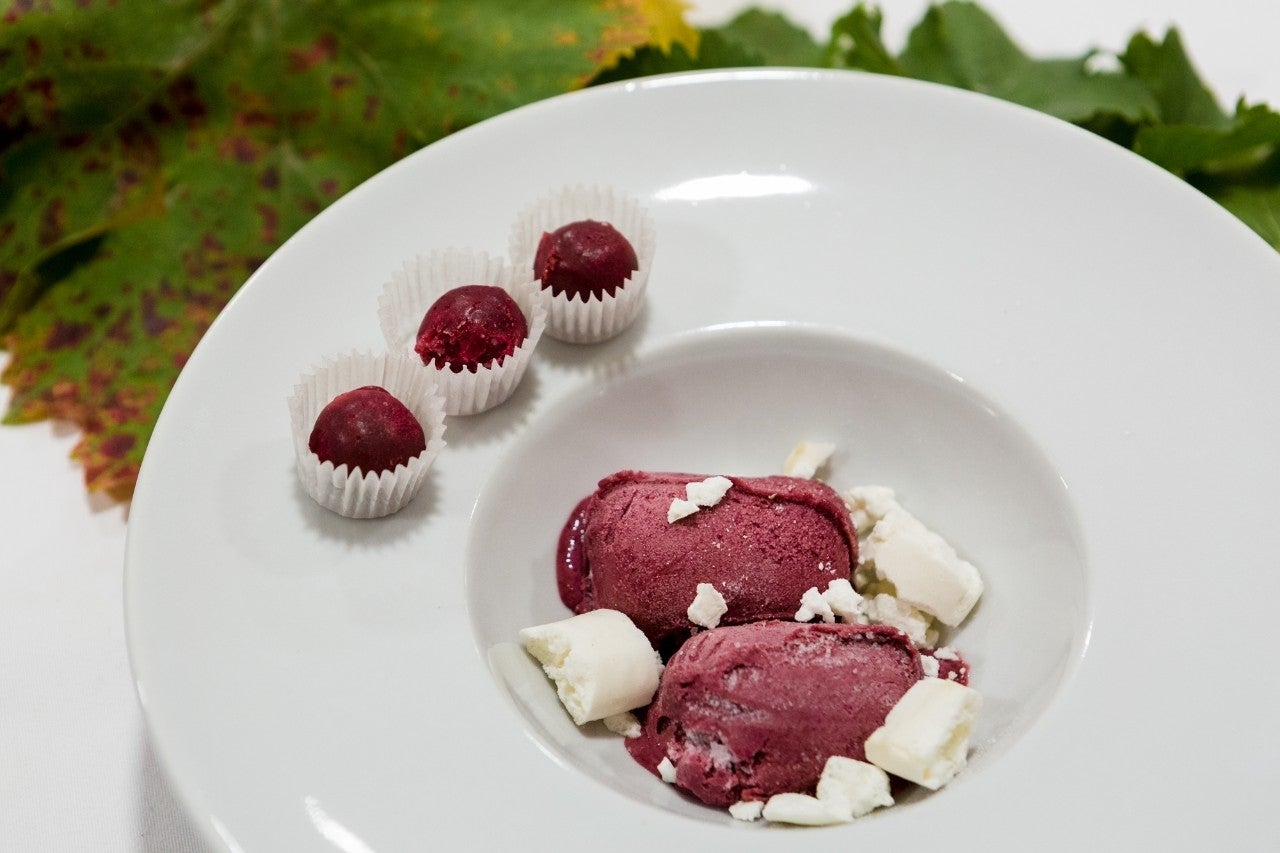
(367, 428)
(585, 258)
(471, 326)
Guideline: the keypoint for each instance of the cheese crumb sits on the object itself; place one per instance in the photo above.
(813, 604)
(805, 810)
(699, 494)
(807, 458)
(885, 609)
(680, 508)
(667, 771)
(844, 602)
(624, 724)
(862, 787)
(929, 664)
(946, 653)
(747, 809)
(707, 607)
(925, 737)
(708, 492)
(869, 504)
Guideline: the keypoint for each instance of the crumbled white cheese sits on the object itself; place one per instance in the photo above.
(698, 494)
(601, 663)
(929, 665)
(680, 508)
(869, 504)
(747, 810)
(805, 810)
(707, 607)
(844, 602)
(667, 771)
(624, 724)
(807, 458)
(862, 787)
(924, 570)
(708, 492)
(813, 604)
(946, 653)
(885, 609)
(925, 737)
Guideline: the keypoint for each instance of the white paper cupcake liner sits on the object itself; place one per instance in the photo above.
(596, 319)
(371, 494)
(414, 288)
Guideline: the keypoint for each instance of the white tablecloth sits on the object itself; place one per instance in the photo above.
(76, 773)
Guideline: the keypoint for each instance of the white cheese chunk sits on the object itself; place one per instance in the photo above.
(813, 604)
(805, 810)
(844, 602)
(869, 504)
(667, 771)
(707, 607)
(747, 810)
(600, 662)
(924, 569)
(929, 665)
(698, 494)
(807, 458)
(884, 609)
(680, 508)
(708, 492)
(861, 786)
(624, 724)
(925, 737)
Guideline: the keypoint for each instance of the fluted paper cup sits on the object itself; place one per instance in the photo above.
(596, 318)
(356, 493)
(420, 282)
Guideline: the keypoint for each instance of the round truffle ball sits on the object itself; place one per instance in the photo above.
(367, 428)
(471, 326)
(584, 258)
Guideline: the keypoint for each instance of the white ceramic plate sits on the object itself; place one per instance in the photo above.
(1062, 358)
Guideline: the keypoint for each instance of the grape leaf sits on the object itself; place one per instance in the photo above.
(1167, 72)
(1258, 206)
(961, 45)
(1154, 103)
(152, 155)
(774, 38)
(856, 44)
(1248, 139)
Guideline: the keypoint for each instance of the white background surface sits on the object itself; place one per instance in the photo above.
(75, 769)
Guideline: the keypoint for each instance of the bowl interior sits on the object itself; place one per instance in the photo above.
(735, 400)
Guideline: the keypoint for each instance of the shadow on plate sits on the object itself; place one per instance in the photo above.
(368, 532)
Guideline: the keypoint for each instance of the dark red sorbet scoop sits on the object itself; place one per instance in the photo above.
(367, 428)
(471, 326)
(749, 711)
(585, 258)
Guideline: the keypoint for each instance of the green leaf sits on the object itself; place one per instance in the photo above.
(856, 43)
(960, 44)
(1236, 144)
(774, 38)
(1166, 71)
(1257, 206)
(714, 51)
(753, 38)
(153, 154)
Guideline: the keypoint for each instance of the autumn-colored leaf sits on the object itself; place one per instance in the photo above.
(153, 154)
